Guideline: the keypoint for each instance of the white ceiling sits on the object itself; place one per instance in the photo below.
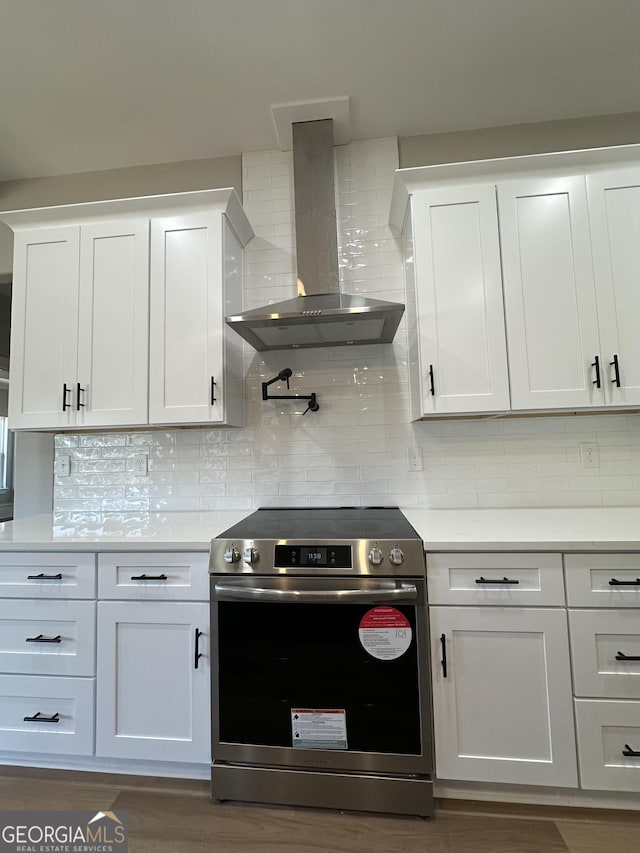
(98, 84)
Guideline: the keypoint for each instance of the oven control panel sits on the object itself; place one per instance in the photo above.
(310, 556)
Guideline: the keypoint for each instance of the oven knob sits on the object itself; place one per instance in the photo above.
(375, 556)
(231, 555)
(251, 555)
(396, 556)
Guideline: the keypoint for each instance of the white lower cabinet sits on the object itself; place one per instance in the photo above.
(609, 744)
(47, 653)
(502, 695)
(603, 592)
(153, 670)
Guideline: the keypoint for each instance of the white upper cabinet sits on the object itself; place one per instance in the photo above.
(562, 250)
(614, 211)
(550, 305)
(461, 362)
(80, 299)
(196, 279)
(83, 314)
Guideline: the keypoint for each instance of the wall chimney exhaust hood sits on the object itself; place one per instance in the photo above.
(320, 316)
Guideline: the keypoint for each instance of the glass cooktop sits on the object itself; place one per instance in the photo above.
(317, 524)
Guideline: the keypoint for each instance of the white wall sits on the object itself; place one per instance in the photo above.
(353, 451)
(518, 139)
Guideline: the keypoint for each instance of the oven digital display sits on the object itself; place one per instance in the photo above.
(318, 556)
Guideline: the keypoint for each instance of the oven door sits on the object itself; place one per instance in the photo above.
(321, 672)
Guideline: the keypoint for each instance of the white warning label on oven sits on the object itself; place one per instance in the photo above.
(385, 633)
(319, 728)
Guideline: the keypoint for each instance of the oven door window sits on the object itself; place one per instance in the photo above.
(277, 657)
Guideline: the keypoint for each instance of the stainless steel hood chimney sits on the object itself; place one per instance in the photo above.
(321, 316)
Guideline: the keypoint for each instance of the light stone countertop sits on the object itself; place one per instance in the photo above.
(580, 529)
(171, 531)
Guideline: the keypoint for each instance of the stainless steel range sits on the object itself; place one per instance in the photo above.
(320, 686)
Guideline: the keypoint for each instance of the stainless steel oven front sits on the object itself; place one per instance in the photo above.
(320, 683)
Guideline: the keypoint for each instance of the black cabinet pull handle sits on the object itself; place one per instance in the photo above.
(65, 390)
(596, 364)
(161, 577)
(197, 654)
(630, 752)
(432, 387)
(43, 577)
(213, 390)
(622, 656)
(42, 639)
(616, 582)
(616, 369)
(79, 390)
(42, 718)
(443, 661)
(497, 580)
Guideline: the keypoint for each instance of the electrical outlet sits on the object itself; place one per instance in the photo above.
(590, 455)
(62, 466)
(139, 465)
(414, 459)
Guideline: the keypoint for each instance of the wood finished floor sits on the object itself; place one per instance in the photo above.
(176, 816)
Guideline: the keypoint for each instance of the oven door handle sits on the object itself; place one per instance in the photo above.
(239, 591)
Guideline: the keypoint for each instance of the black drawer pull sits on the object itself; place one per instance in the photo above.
(213, 390)
(43, 577)
(443, 643)
(42, 718)
(622, 656)
(197, 654)
(596, 364)
(496, 580)
(616, 582)
(161, 577)
(630, 752)
(42, 639)
(432, 387)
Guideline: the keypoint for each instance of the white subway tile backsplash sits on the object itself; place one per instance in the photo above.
(353, 450)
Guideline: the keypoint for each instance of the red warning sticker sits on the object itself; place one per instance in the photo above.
(385, 633)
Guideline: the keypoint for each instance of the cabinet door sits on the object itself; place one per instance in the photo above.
(44, 328)
(111, 388)
(614, 213)
(550, 306)
(459, 300)
(153, 697)
(503, 709)
(186, 322)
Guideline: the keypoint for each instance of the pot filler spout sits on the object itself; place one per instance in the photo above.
(320, 316)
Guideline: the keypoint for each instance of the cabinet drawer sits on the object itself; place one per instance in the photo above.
(65, 705)
(495, 579)
(163, 577)
(604, 644)
(47, 637)
(608, 737)
(603, 580)
(47, 575)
